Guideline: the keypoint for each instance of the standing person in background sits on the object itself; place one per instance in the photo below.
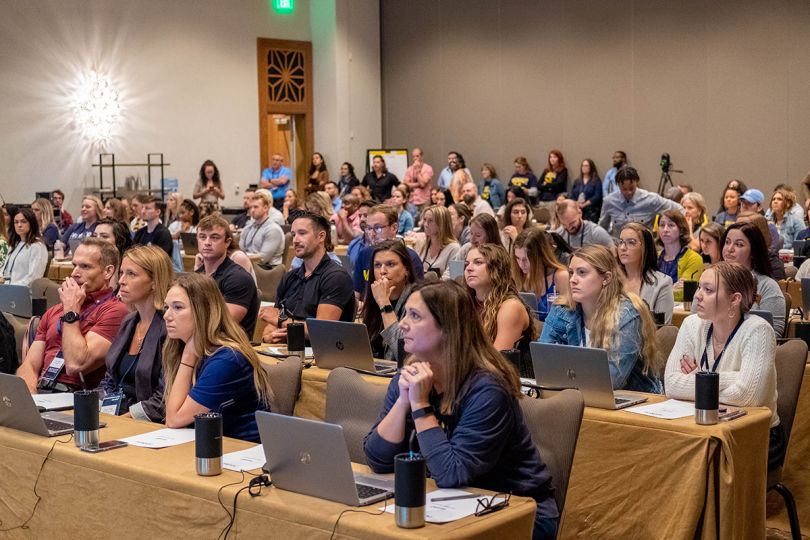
(609, 184)
(587, 191)
(209, 185)
(44, 211)
(90, 213)
(419, 178)
(554, 179)
(29, 256)
(276, 178)
(524, 178)
(461, 177)
(64, 220)
(491, 189)
(347, 179)
(454, 162)
(379, 181)
(154, 233)
(318, 174)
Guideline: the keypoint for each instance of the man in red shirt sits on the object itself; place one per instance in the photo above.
(74, 336)
(65, 220)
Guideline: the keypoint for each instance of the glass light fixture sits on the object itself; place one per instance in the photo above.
(96, 107)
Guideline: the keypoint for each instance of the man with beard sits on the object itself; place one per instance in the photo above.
(609, 183)
(469, 194)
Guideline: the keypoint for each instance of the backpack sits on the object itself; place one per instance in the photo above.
(8, 347)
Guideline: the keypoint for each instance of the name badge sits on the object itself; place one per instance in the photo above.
(55, 368)
(112, 403)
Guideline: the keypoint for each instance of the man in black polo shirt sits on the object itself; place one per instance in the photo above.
(320, 288)
(235, 284)
(154, 232)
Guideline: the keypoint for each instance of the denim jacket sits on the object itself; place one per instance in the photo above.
(496, 193)
(565, 326)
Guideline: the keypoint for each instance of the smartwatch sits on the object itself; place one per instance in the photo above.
(421, 413)
(388, 308)
(282, 316)
(70, 317)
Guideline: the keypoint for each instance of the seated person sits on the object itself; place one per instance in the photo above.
(74, 336)
(779, 214)
(261, 235)
(242, 218)
(505, 318)
(347, 219)
(389, 287)
(516, 218)
(319, 288)
(710, 247)
(460, 216)
(154, 232)
(381, 224)
(723, 337)
(28, 257)
(743, 243)
(134, 360)
(637, 260)
(208, 362)
(115, 233)
(600, 312)
(677, 259)
(43, 210)
(467, 419)
(234, 282)
(577, 231)
(537, 269)
(91, 212)
(483, 230)
(769, 233)
(440, 246)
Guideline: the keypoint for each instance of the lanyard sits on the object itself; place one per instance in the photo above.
(581, 235)
(120, 387)
(704, 361)
(86, 313)
(256, 227)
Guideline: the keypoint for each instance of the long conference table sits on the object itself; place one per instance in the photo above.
(636, 476)
(137, 492)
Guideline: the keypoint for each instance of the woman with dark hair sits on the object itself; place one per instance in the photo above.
(115, 233)
(318, 174)
(460, 216)
(441, 197)
(483, 230)
(743, 243)
(208, 361)
(209, 185)
(347, 179)
(515, 219)
(587, 191)
(28, 258)
(389, 286)
(379, 181)
(736, 185)
(730, 203)
(523, 179)
(491, 189)
(4, 232)
(677, 259)
(114, 209)
(723, 337)
(511, 194)
(537, 270)
(554, 179)
(461, 397)
(637, 259)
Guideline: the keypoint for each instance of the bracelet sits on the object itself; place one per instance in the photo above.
(187, 365)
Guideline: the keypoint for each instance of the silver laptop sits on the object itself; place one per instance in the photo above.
(456, 269)
(16, 299)
(344, 344)
(310, 457)
(767, 315)
(530, 299)
(18, 411)
(582, 368)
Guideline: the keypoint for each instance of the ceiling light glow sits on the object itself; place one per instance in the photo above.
(96, 107)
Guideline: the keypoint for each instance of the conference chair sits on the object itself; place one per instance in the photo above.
(19, 326)
(285, 380)
(554, 426)
(268, 280)
(355, 405)
(788, 307)
(790, 271)
(665, 337)
(46, 288)
(791, 358)
(288, 254)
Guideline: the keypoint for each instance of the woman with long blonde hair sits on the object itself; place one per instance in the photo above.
(440, 245)
(600, 312)
(43, 210)
(461, 398)
(537, 269)
(208, 362)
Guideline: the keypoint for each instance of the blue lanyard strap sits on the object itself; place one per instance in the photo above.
(704, 361)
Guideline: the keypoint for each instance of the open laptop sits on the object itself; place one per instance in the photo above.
(806, 296)
(767, 315)
(189, 240)
(18, 411)
(456, 269)
(310, 457)
(582, 368)
(530, 299)
(16, 299)
(345, 344)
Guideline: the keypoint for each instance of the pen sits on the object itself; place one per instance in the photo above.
(457, 497)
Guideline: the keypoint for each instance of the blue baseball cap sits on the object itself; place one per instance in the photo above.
(753, 196)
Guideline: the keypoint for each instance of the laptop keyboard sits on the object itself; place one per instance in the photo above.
(366, 492)
(384, 367)
(55, 425)
(621, 401)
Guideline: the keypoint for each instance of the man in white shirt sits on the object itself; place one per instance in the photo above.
(469, 193)
(261, 235)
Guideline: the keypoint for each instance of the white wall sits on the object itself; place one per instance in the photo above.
(186, 70)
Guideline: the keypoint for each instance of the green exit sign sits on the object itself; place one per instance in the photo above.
(284, 6)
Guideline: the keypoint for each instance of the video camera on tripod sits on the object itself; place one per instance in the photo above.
(666, 168)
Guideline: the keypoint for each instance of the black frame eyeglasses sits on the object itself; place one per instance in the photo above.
(488, 505)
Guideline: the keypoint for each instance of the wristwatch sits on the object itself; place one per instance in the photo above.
(70, 317)
(282, 316)
(421, 413)
(387, 308)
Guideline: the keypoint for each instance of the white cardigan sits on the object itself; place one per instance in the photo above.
(25, 263)
(747, 368)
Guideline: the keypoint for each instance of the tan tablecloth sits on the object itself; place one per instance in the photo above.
(640, 477)
(143, 493)
(678, 315)
(59, 270)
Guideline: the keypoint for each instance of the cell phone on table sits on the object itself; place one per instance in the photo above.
(104, 446)
(729, 413)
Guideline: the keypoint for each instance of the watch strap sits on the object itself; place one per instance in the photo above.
(70, 317)
(421, 413)
(388, 308)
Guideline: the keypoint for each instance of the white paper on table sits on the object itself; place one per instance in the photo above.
(447, 511)
(162, 438)
(668, 410)
(678, 306)
(283, 352)
(244, 460)
(267, 304)
(52, 402)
